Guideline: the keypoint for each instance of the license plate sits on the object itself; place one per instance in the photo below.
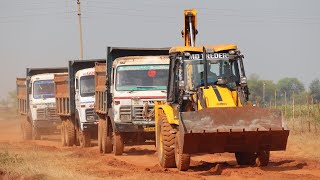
(149, 129)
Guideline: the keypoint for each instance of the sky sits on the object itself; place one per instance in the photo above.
(278, 38)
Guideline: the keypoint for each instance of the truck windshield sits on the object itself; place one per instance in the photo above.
(142, 77)
(222, 72)
(87, 86)
(43, 89)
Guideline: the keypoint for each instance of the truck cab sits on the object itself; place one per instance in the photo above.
(137, 83)
(36, 99)
(84, 101)
(42, 104)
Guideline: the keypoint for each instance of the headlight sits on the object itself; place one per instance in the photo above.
(125, 117)
(243, 80)
(90, 118)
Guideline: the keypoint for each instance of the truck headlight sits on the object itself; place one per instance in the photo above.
(90, 118)
(125, 117)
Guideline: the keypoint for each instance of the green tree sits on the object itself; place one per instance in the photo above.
(290, 85)
(256, 87)
(315, 89)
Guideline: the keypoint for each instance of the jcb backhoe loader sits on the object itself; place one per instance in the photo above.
(207, 108)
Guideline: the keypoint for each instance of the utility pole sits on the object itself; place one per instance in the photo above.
(80, 30)
(263, 92)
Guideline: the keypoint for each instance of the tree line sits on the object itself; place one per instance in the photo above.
(263, 92)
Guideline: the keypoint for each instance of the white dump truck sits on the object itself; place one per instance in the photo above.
(126, 87)
(74, 93)
(37, 103)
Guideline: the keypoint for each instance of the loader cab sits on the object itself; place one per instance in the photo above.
(193, 68)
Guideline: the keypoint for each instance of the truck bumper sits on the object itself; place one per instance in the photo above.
(92, 127)
(46, 124)
(130, 127)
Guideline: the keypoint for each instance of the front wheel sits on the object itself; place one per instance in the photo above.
(182, 160)
(263, 158)
(26, 130)
(36, 134)
(106, 137)
(69, 133)
(63, 134)
(118, 145)
(84, 138)
(165, 143)
(246, 158)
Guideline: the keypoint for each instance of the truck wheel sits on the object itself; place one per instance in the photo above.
(182, 160)
(26, 130)
(106, 140)
(70, 133)
(99, 136)
(118, 145)
(263, 158)
(246, 158)
(165, 143)
(84, 138)
(63, 134)
(36, 134)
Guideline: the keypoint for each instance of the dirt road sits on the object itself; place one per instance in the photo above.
(46, 159)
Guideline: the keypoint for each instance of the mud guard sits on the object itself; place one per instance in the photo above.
(232, 129)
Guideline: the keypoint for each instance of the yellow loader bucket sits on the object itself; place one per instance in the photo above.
(232, 129)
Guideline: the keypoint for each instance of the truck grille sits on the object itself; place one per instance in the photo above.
(90, 115)
(47, 114)
(136, 112)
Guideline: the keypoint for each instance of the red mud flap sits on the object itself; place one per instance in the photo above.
(218, 130)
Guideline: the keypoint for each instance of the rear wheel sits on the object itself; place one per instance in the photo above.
(63, 134)
(84, 138)
(106, 140)
(246, 158)
(69, 132)
(99, 136)
(263, 158)
(26, 130)
(118, 145)
(165, 143)
(182, 160)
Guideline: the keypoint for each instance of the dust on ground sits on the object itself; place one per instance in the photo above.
(46, 159)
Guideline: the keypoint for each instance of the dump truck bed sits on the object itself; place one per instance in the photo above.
(61, 91)
(22, 95)
(100, 87)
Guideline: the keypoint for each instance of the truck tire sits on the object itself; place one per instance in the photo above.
(70, 133)
(263, 158)
(36, 134)
(99, 136)
(106, 138)
(182, 160)
(26, 130)
(246, 158)
(118, 145)
(165, 143)
(84, 138)
(63, 134)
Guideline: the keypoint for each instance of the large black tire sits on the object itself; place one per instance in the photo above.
(182, 160)
(36, 135)
(100, 136)
(70, 133)
(84, 138)
(26, 130)
(263, 158)
(165, 143)
(63, 134)
(118, 144)
(246, 158)
(106, 138)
